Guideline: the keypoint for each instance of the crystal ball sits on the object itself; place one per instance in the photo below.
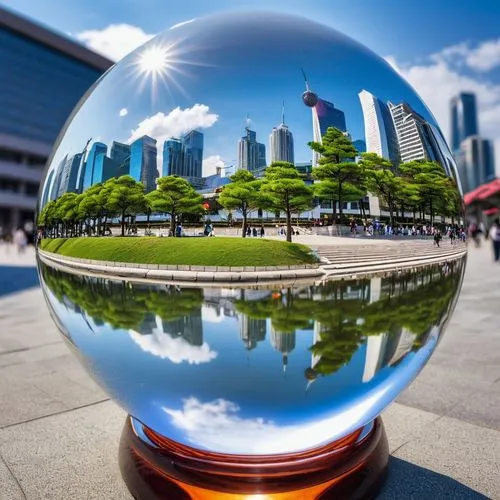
(260, 129)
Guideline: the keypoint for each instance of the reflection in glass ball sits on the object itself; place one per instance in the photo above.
(213, 127)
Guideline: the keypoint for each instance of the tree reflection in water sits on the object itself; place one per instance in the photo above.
(403, 307)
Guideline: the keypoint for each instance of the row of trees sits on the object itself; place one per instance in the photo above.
(420, 187)
(118, 197)
(417, 301)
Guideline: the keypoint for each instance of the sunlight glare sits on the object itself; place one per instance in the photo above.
(153, 60)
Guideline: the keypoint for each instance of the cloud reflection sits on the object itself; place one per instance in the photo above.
(176, 349)
(217, 425)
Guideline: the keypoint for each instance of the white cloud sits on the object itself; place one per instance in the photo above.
(115, 41)
(178, 25)
(163, 126)
(123, 112)
(483, 57)
(176, 349)
(211, 315)
(216, 425)
(211, 163)
(438, 80)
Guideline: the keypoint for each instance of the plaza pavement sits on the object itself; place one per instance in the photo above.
(59, 432)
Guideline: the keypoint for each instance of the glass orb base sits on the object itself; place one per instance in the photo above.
(157, 468)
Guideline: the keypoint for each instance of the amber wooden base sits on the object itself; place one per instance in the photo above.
(351, 468)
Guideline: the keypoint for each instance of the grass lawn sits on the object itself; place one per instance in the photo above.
(187, 251)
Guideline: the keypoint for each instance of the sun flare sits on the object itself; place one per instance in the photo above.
(153, 60)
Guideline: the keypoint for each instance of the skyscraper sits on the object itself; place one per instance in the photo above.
(173, 157)
(70, 174)
(193, 154)
(96, 149)
(281, 142)
(143, 162)
(120, 152)
(380, 132)
(476, 162)
(463, 118)
(324, 115)
(56, 183)
(251, 154)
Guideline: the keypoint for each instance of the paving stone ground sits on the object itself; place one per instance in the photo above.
(59, 432)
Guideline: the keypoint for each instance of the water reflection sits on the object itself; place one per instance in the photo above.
(265, 370)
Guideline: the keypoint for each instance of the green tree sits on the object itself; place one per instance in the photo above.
(381, 180)
(335, 149)
(283, 189)
(175, 196)
(126, 194)
(431, 180)
(242, 195)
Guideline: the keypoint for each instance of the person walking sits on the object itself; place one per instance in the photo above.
(495, 239)
(262, 232)
(21, 240)
(437, 238)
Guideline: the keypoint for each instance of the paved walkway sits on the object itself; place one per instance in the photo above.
(59, 433)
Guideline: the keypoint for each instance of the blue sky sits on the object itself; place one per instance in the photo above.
(440, 47)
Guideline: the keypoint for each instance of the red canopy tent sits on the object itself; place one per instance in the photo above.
(487, 194)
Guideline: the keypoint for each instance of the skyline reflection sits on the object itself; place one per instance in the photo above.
(266, 359)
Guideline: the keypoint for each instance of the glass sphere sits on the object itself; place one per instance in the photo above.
(210, 354)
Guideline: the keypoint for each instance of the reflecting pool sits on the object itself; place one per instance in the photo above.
(262, 370)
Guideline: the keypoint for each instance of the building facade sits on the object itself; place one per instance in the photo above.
(193, 154)
(476, 162)
(464, 122)
(251, 154)
(60, 72)
(380, 132)
(143, 167)
(281, 144)
(91, 174)
(173, 157)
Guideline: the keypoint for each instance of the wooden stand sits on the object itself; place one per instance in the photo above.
(157, 468)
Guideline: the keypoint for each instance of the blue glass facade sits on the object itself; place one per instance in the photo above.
(92, 174)
(329, 116)
(173, 158)
(193, 151)
(463, 119)
(143, 162)
(39, 88)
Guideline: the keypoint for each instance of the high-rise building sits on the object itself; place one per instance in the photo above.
(324, 115)
(251, 154)
(193, 154)
(173, 157)
(57, 179)
(120, 152)
(380, 132)
(91, 175)
(476, 162)
(252, 330)
(143, 162)
(464, 121)
(283, 342)
(41, 71)
(281, 142)
(415, 135)
(70, 174)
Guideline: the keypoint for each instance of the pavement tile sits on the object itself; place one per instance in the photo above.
(468, 453)
(403, 423)
(9, 488)
(72, 455)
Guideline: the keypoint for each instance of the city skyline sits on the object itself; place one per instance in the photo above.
(210, 91)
